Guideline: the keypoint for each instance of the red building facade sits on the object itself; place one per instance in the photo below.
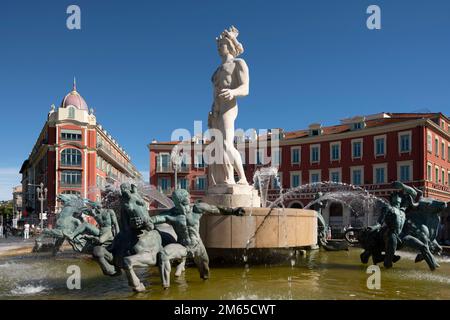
(370, 152)
(73, 155)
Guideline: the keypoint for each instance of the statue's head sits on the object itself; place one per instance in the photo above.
(396, 199)
(227, 43)
(124, 187)
(181, 198)
(67, 198)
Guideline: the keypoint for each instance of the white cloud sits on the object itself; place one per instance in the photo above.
(9, 178)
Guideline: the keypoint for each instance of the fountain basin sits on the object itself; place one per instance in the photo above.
(284, 228)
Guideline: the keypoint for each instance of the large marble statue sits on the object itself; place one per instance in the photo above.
(230, 80)
(185, 220)
(410, 220)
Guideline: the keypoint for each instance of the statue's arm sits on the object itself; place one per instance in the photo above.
(164, 217)
(203, 207)
(414, 193)
(244, 79)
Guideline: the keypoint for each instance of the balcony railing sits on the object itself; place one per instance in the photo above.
(107, 154)
(70, 185)
(70, 165)
(164, 169)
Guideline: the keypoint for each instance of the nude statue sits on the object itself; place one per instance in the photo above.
(230, 80)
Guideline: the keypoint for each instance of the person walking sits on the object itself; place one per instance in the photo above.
(26, 231)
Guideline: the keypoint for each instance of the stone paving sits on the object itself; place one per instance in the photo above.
(14, 245)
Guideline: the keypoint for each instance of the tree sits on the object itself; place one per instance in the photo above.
(6, 209)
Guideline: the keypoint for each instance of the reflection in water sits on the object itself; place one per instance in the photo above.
(316, 275)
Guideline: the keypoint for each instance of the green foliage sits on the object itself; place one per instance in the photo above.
(6, 208)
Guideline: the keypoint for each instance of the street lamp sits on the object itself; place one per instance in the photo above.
(42, 196)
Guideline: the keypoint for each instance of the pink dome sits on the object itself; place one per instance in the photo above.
(75, 99)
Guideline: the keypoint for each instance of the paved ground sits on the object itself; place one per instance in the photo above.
(15, 245)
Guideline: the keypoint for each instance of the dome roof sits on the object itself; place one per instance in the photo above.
(73, 98)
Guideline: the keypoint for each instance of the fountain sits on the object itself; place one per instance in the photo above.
(236, 222)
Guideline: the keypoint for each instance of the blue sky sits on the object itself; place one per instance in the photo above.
(145, 66)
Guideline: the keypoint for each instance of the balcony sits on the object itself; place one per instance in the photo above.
(70, 165)
(109, 156)
(164, 169)
(70, 185)
(112, 177)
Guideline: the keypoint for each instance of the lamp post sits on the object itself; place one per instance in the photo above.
(42, 196)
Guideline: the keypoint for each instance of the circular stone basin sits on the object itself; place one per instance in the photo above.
(283, 228)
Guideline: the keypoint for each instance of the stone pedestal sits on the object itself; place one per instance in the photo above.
(235, 195)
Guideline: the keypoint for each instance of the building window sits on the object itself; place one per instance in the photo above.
(404, 171)
(164, 184)
(335, 151)
(404, 142)
(436, 147)
(443, 150)
(357, 175)
(315, 154)
(276, 157)
(358, 125)
(443, 177)
(335, 175)
(71, 178)
(71, 113)
(436, 174)
(296, 179)
(71, 157)
(357, 149)
(429, 172)
(295, 155)
(314, 176)
(199, 160)
(380, 146)
(380, 175)
(429, 143)
(72, 135)
(183, 183)
(201, 183)
(448, 178)
(163, 162)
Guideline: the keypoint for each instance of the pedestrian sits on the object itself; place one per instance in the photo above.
(26, 231)
(5, 231)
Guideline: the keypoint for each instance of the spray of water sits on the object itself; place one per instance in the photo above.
(356, 198)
